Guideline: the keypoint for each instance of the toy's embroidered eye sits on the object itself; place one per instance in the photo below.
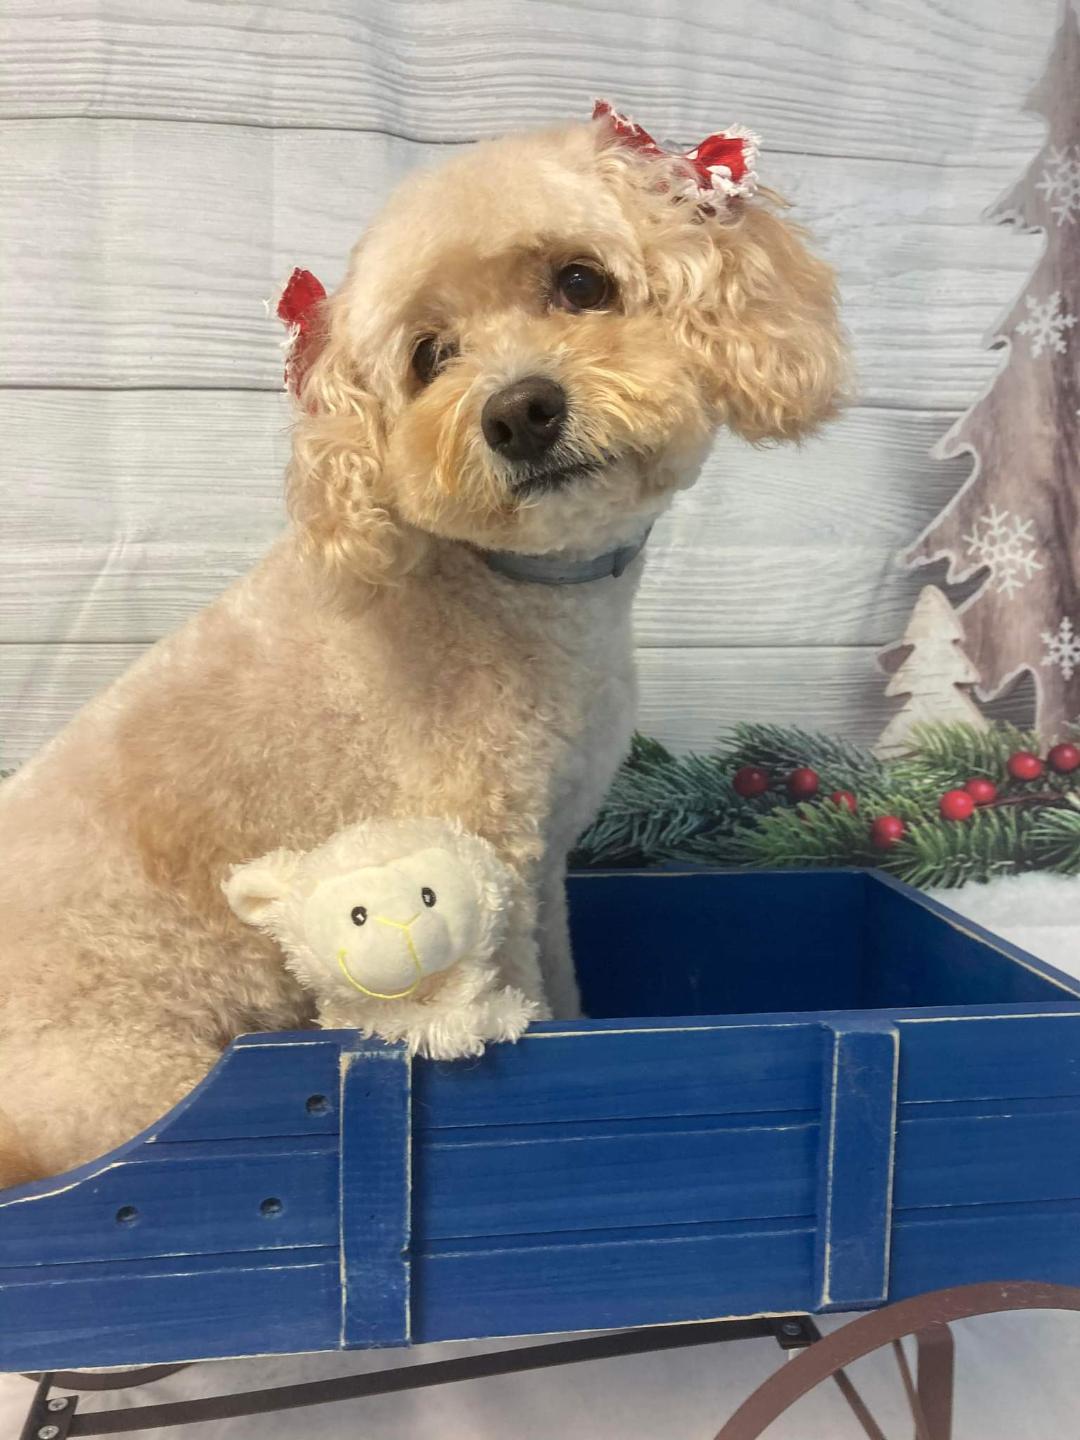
(428, 896)
(581, 286)
(431, 355)
(359, 915)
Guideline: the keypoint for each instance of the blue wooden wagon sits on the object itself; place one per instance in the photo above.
(800, 1092)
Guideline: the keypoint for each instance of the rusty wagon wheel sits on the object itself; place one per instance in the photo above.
(927, 1318)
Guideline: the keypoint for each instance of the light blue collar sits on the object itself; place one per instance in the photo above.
(558, 570)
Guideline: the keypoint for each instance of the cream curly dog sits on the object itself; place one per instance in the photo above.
(529, 354)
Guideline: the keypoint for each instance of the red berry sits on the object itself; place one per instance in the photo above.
(750, 781)
(957, 805)
(803, 784)
(1064, 758)
(983, 792)
(886, 831)
(846, 799)
(1024, 766)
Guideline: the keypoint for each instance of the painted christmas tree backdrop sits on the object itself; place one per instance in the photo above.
(1015, 524)
(945, 797)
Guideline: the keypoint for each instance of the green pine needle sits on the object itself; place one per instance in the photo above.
(1055, 840)
(664, 807)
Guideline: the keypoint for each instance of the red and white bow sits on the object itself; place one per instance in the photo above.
(723, 163)
(297, 306)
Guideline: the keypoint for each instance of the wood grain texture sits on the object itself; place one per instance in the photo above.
(855, 1163)
(167, 239)
(653, 1276)
(243, 1196)
(592, 1076)
(596, 1174)
(376, 1194)
(688, 696)
(124, 512)
(190, 1308)
(546, 1179)
(856, 79)
(1015, 524)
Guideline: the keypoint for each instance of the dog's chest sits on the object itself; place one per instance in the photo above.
(541, 708)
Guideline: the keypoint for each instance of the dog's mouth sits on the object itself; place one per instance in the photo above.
(539, 480)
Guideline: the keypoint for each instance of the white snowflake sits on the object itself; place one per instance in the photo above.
(1046, 324)
(1060, 183)
(1004, 543)
(1062, 648)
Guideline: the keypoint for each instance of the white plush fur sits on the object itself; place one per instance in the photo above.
(373, 666)
(392, 925)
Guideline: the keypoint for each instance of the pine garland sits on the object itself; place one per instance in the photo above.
(665, 808)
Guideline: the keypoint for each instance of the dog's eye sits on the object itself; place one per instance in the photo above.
(582, 287)
(359, 915)
(431, 355)
(428, 896)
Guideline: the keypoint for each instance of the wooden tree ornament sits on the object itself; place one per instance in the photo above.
(1017, 518)
(932, 675)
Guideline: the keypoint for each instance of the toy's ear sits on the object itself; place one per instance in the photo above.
(251, 889)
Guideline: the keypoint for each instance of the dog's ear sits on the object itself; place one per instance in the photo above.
(765, 321)
(253, 888)
(335, 493)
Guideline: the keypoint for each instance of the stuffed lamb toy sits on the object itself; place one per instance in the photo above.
(393, 924)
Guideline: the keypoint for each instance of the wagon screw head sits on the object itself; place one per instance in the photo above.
(791, 1327)
(48, 1432)
(59, 1402)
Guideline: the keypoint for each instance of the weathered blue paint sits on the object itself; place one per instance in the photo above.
(855, 1164)
(801, 1091)
(376, 1150)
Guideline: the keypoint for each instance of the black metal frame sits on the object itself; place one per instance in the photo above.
(44, 1422)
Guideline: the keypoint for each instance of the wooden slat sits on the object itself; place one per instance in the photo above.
(989, 1058)
(210, 1199)
(855, 1164)
(687, 696)
(166, 239)
(988, 1159)
(933, 1249)
(925, 77)
(543, 1180)
(375, 1197)
(605, 1075)
(595, 1281)
(282, 1084)
(925, 955)
(60, 1317)
(126, 511)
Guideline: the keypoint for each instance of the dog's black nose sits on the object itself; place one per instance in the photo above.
(523, 421)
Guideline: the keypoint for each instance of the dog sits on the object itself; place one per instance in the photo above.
(531, 351)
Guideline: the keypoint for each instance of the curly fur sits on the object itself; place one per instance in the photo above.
(373, 665)
(454, 1012)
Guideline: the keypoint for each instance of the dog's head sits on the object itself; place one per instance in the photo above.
(533, 346)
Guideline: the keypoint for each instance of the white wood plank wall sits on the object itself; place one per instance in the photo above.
(163, 165)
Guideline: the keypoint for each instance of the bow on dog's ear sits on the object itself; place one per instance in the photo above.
(334, 490)
(740, 285)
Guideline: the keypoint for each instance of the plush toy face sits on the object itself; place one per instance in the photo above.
(386, 927)
(378, 908)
